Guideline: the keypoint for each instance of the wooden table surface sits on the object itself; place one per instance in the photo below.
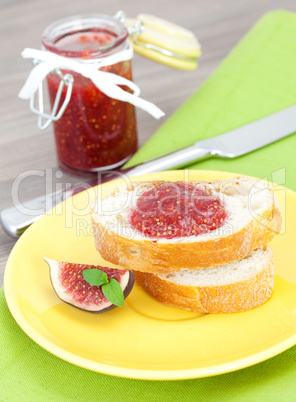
(219, 25)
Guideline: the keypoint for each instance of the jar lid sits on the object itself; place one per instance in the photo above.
(164, 42)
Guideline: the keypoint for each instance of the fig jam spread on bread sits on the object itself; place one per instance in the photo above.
(171, 210)
(248, 209)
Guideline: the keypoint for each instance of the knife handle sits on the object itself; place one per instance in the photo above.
(16, 219)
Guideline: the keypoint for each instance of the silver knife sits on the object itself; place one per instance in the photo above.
(235, 143)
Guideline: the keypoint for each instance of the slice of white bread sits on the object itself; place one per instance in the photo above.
(253, 220)
(234, 287)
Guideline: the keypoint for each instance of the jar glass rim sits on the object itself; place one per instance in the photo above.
(80, 23)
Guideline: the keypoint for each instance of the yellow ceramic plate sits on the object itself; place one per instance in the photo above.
(144, 339)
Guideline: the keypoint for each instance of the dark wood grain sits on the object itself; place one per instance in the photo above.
(219, 25)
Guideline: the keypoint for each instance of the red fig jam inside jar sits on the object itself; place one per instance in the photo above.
(95, 132)
(177, 210)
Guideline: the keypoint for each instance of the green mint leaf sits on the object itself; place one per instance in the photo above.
(113, 292)
(95, 277)
(105, 277)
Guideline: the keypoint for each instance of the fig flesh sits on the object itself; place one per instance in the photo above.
(70, 286)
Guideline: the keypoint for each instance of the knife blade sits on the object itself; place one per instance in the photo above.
(232, 144)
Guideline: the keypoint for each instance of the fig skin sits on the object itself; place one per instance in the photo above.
(54, 269)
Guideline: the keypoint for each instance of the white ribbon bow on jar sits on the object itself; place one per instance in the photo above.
(106, 82)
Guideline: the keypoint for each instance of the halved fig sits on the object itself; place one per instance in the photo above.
(68, 283)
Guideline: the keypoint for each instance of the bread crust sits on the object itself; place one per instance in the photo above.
(153, 257)
(231, 298)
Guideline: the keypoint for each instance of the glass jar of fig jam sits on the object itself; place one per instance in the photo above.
(95, 132)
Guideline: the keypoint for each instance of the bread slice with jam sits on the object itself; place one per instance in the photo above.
(164, 226)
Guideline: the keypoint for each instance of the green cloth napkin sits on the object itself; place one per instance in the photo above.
(256, 79)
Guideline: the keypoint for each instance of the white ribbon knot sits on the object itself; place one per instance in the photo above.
(106, 82)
